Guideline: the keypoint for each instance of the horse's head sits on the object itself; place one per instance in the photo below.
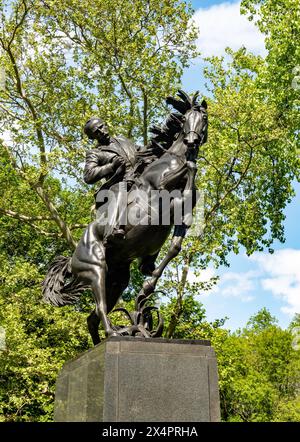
(195, 125)
(194, 117)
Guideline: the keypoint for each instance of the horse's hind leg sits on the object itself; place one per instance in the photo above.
(98, 285)
(116, 283)
(89, 265)
(93, 322)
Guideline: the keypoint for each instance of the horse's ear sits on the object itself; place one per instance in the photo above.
(195, 96)
(204, 104)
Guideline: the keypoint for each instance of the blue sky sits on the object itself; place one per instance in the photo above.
(263, 280)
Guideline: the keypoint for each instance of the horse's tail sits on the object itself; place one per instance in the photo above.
(60, 286)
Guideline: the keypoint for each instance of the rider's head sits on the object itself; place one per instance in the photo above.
(96, 129)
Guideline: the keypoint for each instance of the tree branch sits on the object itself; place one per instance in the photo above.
(66, 233)
(25, 218)
(145, 117)
(178, 309)
(231, 189)
(28, 220)
(78, 226)
(20, 23)
(55, 216)
(30, 106)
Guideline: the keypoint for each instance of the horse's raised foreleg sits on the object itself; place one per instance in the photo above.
(189, 171)
(174, 249)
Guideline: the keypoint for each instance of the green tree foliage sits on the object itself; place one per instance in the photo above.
(250, 152)
(261, 321)
(38, 338)
(258, 371)
(279, 21)
(246, 170)
(122, 48)
(38, 341)
(192, 323)
(259, 366)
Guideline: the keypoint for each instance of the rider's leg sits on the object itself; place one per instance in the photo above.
(117, 218)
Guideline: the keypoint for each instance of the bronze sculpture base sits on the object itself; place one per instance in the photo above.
(126, 379)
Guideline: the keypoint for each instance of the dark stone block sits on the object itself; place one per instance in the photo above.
(136, 379)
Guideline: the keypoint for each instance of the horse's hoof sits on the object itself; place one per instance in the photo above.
(112, 334)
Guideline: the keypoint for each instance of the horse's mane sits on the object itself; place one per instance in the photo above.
(185, 103)
(163, 136)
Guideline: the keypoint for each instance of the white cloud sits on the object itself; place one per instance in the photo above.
(278, 273)
(282, 276)
(231, 284)
(222, 25)
(238, 285)
(204, 275)
(6, 137)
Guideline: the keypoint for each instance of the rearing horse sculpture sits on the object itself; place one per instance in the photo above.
(105, 268)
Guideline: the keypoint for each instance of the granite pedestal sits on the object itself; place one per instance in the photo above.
(135, 379)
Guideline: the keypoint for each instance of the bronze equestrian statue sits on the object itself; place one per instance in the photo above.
(102, 258)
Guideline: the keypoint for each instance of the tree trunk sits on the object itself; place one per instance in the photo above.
(178, 310)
